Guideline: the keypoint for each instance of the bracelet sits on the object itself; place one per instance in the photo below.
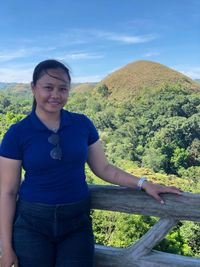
(140, 183)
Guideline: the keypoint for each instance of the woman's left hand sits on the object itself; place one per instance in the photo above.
(155, 189)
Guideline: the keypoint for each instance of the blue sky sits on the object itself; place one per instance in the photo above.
(97, 37)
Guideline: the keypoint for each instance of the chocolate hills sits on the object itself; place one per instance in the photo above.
(126, 82)
(134, 77)
(24, 88)
(83, 87)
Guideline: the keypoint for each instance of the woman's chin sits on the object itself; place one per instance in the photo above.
(54, 108)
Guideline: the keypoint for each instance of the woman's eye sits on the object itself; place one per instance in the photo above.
(64, 89)
(48, 88)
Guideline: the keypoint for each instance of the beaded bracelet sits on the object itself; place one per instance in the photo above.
(140, 183)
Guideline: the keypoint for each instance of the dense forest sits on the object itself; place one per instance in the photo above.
(155, 133)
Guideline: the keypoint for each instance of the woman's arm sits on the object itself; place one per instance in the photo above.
(100, 166)
(10, 176)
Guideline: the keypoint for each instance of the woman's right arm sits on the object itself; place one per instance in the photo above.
(10, 177)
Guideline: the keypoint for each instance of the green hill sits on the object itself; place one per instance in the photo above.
(19, 88)
(83, 87)
(131, 79)
(24, 88)
(6, 85)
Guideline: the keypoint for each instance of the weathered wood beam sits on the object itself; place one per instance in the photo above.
(148, 241)
(116, 198)
(115, 257)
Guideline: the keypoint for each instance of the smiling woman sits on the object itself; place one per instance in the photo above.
(50, 93)
(50, 86)
(49, 224)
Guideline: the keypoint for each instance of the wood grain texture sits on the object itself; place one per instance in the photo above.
(116, 198)
(141, 254)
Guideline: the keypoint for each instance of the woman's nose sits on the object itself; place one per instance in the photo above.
(55, 93)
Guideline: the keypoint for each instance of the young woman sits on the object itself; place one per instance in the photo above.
(49, 225)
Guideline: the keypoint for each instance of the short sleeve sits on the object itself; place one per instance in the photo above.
(93, 134)
(10, 147)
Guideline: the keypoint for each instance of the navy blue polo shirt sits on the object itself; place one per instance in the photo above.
(49, 180)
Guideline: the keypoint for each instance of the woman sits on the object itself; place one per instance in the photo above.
(50, 225)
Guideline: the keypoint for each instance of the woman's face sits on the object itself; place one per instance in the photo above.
(51, 91)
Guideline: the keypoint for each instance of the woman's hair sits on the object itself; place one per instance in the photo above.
(43, 68)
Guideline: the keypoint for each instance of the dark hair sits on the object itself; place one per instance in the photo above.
(42, 68)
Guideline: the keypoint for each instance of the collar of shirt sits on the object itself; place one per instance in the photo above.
(65, 120)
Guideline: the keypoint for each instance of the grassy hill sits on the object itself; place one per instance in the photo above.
(126, 82)
(131, 79)
(83, 87)
(20, 88)
(6, 85)
(24, 88)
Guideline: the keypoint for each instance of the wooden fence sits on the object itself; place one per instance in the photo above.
(141, 254)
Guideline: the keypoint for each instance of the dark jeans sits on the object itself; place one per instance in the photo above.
(53, 235)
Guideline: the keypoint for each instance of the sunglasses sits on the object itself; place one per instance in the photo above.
(56, 152)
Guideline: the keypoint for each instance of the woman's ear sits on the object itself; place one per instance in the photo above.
(32, 87)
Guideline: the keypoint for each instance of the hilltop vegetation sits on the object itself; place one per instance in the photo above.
(159, 130)
(83, 87)
(130, 80)
(151, 127)
(25, 88)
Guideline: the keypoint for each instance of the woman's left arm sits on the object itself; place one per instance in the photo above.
(100, 166)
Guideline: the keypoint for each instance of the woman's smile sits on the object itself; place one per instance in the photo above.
(51, 91)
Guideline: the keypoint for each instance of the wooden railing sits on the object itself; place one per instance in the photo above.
(141, 254)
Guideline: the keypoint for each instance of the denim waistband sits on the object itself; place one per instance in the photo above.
(46, 211)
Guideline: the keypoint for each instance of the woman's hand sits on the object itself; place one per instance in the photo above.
(155, 189)
(9, 259)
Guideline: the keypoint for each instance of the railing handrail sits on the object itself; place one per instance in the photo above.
(141, 254)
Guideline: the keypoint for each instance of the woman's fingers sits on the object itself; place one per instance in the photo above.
(158, 198)
(155, 190)
(170, 189)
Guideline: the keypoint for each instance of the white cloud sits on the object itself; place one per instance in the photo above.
(13, 54)
(16, 75)
(81, 55)
(129, 39)
(23, 74)
(79, 36)
(190, 71)
(123, 38)
(194, 73)
(8, 55)
(151, 54)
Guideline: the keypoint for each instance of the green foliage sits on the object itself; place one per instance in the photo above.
(158, 130)
(7, 120)
(179, 158)
(175, 243)
(119, 230)
(194, 152)
(191, 173)
(190, 231)
(155, 159)
(103, 91)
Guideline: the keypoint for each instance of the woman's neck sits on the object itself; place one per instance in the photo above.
(51, 120)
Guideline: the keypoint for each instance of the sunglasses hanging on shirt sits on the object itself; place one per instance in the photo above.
(56, 152)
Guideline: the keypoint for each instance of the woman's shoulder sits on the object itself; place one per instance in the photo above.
(20, 124)
(82, 122)
(79, 117)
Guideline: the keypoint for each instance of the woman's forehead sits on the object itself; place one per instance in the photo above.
(54, 74)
